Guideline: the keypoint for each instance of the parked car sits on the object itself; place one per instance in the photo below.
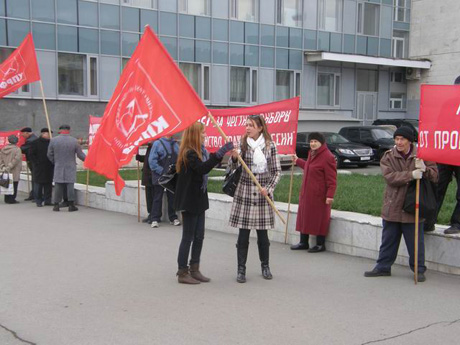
(345, 152)
(379, 138)
(398, 123)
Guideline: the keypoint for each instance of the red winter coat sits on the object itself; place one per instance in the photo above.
(319, 182)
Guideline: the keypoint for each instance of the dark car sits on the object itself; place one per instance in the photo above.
(377, 137)
(344, 151)
(413, 124)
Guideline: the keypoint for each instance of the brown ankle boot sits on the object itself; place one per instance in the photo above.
(184, 277)
(196, 274)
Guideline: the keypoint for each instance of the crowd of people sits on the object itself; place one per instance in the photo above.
(54, 160)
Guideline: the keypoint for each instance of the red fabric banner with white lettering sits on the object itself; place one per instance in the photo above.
(4, 138)
(152, 99)
(281, 117)
(94, 124)
(20, 68)
(439, 128)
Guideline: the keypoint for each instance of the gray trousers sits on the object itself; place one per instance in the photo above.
(59, 192)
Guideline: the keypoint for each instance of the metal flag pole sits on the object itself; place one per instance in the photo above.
(270, 202)
(138, 194)
(289, 200)
(417, 212)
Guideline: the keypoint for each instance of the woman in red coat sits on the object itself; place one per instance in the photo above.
(316, 194)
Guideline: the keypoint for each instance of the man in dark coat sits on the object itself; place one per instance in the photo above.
(43, 168)
(30, 137)
(147, 182)
(62, 151)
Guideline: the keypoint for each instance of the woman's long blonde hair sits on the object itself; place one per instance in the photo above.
(191, 140)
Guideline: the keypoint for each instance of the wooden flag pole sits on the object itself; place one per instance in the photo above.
(247, 169)
(289, 200)
(28, 178)
(138, 194)
(46, 110)
(87, 184)
(417, 212)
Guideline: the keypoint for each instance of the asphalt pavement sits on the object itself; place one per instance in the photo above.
(95, 278)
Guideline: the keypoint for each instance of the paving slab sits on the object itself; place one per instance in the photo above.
(95, 277)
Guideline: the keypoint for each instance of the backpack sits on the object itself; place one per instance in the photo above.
(165, 162)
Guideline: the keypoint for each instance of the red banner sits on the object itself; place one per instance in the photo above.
(4, 138)
(94, 124)
(20, 68)
(281, 117)
(152, 99)
(439, 131)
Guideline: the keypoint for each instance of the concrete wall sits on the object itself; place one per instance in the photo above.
(350, 233)
(434, 35)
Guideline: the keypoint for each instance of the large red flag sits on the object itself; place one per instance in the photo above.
(152, 99)
(4, 138)
(439, 132)
(20, 68)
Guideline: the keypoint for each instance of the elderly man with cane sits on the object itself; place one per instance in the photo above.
(399, 166)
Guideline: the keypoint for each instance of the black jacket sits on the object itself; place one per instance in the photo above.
(43, 168)
(25, 147)
(189, 195)
(146, 172)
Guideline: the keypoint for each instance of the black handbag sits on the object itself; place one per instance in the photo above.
(232, 178)
(4, 182)
(169, 178)
(427, 202)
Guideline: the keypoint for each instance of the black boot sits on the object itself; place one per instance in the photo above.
(65, 203)
(242, 256)
(264, 253)
(56, 207)
(72, 207)
(303, 244)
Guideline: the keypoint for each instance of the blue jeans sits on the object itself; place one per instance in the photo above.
(391, 237)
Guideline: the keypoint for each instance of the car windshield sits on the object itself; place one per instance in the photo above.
(335, 138)
(382, 133)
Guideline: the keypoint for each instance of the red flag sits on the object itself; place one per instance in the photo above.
(4, 138)
(282, 118)
(152, 99)
(439, 132)
(20, 68)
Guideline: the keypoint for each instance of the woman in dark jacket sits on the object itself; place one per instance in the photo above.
(316, 194)
(191, 198)
(43, 168)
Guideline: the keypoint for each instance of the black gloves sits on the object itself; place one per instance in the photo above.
(224, 149)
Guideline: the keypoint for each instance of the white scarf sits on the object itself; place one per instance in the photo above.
(260, 162)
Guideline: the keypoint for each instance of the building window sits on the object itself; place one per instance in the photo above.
(196, 7)
(244, 10)
(284, 85)
(399, 44)
(243, 85)
(397, 77)
(367, 80)
(71, 74)
(93, 80)
(289, 12)
(402, 12)
(199, 77)
(397, 101)
(136, 3)
(328, 89)
(368, 19)
(297, 84)
(330, 15)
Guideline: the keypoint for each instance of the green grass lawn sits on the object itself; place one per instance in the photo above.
(355, 193)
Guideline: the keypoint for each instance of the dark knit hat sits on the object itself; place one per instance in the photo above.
(317, 136)
(45, 130)
(405, 132)
(64, 127)
(12, 139)
(26, 129)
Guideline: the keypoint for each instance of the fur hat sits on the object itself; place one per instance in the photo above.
(405, 132)
(12, 139)
(317, 136)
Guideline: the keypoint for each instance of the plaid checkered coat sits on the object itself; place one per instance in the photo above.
(250, 210)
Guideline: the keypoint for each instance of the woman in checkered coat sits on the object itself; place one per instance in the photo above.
(250, 210)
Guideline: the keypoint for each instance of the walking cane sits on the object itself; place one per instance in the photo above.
(417, 211)
(253, 178)
(289, 200)
(138, 194)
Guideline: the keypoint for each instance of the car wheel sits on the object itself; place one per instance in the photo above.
(337, 160)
